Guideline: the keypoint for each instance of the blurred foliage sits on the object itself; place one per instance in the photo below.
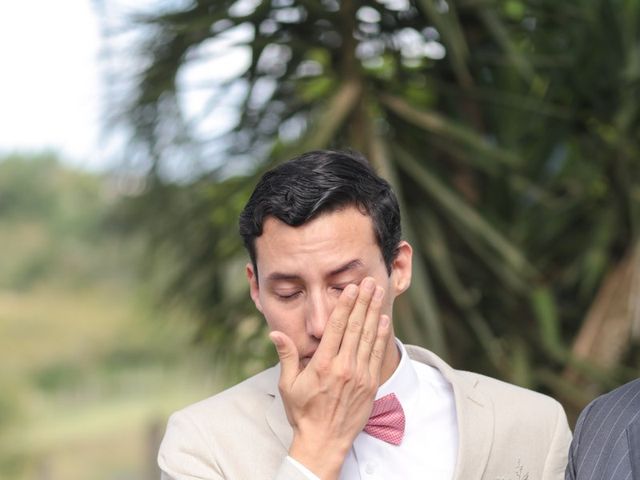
(510, 129)
(52, 219)
(84, 357)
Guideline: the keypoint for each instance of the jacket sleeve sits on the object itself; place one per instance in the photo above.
(186, 455)
(556, 462)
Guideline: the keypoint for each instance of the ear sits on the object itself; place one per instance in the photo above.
(254, 286)
(401, 268)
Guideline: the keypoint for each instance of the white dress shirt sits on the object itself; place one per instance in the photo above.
(430, 442)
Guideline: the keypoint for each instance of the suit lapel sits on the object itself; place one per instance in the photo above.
(475, 416)
(633, 440)
(276, 416)
(475, 431)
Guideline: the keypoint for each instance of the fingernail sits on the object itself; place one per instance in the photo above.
(368, 284)
(384, 321)
(379, 293)
(276, 340)
(351, 291)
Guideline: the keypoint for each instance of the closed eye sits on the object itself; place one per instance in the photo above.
(339, 288)
(288, 296)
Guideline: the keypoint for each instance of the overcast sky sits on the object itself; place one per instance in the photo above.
(49, 86)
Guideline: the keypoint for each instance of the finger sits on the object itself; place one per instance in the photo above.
(288, 355)
(380, 347)
(351, 339)
(370, 328)
(334, 331)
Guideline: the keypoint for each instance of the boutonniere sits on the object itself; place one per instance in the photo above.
(520, 473)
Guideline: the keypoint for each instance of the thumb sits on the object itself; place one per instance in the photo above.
(288, 354)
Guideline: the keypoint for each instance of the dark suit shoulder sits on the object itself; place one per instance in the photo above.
(611, 412)
(600, 445)
(623, 398)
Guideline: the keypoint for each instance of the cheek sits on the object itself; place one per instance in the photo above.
(278, 317)
(389, 297)
(274, 320)
(387, 306)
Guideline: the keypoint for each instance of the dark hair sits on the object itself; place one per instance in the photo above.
(321, 182)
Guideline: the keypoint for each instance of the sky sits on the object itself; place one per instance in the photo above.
(50, 82)
(51, 93)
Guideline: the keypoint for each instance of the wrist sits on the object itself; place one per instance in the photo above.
(323, 459)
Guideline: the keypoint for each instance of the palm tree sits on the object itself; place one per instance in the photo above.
(508, 128)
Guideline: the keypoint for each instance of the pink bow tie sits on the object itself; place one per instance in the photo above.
(387, 420)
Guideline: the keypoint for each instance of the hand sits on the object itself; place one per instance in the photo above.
(329, 402)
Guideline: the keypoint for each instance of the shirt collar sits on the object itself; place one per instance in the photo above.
(404, 380)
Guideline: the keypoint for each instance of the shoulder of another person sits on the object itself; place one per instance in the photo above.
(625, 397)
(629, 391)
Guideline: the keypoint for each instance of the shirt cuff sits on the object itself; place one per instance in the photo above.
(302, 469)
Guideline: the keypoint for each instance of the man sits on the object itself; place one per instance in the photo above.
(606, 445)
(327, 262)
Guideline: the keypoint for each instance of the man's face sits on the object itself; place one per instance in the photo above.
(302, 271)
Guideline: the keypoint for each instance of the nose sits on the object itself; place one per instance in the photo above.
(318, 308)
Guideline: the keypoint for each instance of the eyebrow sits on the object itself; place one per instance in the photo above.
(351, 265)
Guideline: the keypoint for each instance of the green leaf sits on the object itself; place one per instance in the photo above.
(464, 214)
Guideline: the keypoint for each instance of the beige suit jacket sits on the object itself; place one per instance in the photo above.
(505, 432)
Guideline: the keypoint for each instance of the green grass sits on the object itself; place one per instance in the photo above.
(89, 371)
(78, 369)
